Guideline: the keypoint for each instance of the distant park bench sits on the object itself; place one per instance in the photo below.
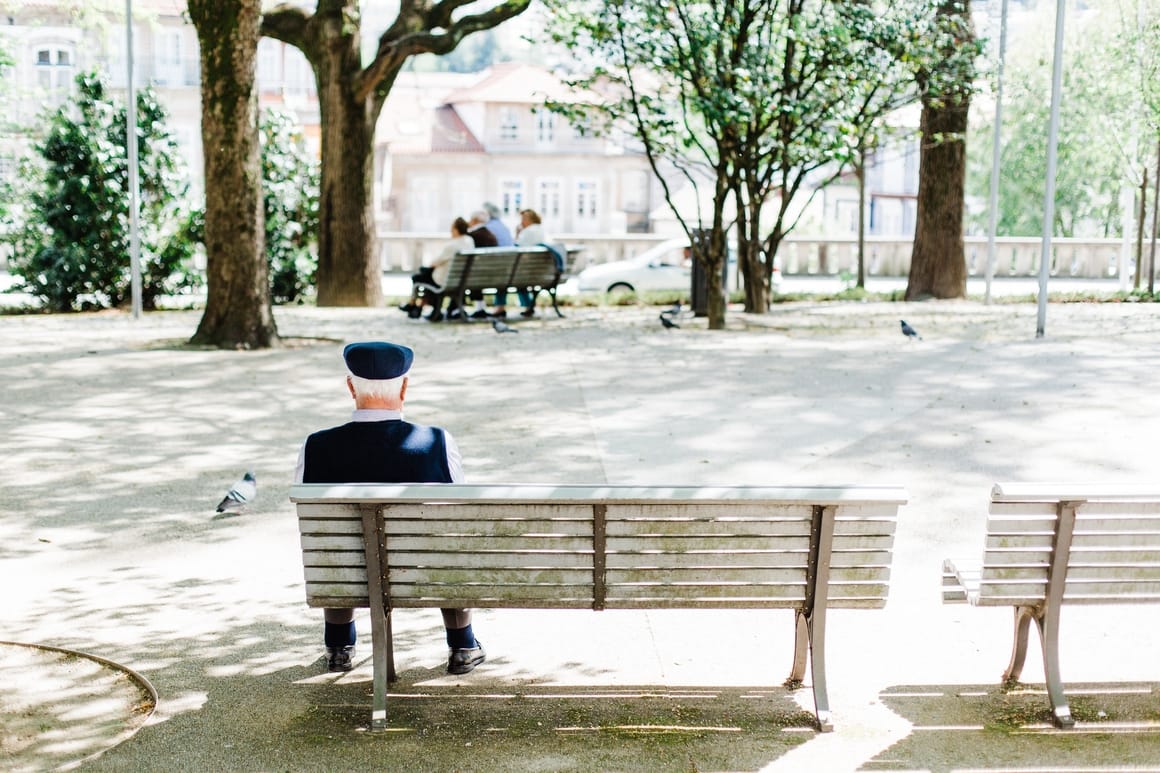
(598, 547)
(1051, 544)
(488, 269)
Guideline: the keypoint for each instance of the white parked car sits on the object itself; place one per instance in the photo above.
(664, 266)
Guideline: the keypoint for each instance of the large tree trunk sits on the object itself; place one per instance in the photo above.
(350, 98)
(349, 273)
(938, 266)
(238, 312)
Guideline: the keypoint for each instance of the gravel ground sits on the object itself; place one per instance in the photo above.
(120, 439)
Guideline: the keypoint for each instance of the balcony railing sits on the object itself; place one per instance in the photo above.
(1015, 256)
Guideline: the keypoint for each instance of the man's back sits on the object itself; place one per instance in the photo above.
(483, 237)
(377, 452)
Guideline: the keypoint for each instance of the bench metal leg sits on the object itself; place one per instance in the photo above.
(382, 656)
(1023, 618)
(810, 637)
(801, 646)
(1049, 637)
(1048, 627)
(818, 670)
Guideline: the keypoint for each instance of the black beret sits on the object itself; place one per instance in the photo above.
(377, 360)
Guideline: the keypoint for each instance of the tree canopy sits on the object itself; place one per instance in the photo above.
(751, 99)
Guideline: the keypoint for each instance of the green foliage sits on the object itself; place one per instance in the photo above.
(73, 246)
(290, 180)
(752, 98)
(473, 54)
(1099, 151)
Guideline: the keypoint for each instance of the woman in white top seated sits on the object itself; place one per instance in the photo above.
(433, 275)
(529, 234)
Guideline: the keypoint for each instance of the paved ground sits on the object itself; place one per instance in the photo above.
(119, 440)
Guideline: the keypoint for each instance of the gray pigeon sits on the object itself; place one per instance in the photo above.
(240, 494)
(908, 331)
(668, 323)
(502, 327)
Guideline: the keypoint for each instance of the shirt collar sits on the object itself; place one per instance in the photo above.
(375, 414)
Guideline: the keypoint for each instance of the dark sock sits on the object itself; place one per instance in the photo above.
(460, 638)
(339, 634)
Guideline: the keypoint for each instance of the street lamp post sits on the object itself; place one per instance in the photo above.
(1049, 186)
(993, 222)
(131, 147)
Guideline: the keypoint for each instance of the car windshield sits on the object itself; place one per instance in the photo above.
(674, 256)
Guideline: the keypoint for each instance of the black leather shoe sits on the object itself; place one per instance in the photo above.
(406, 307)
(479, 314)
(502, 314)
(528, 313)
(463, 661)
(339, 658)
(434, 317)
(415, 312)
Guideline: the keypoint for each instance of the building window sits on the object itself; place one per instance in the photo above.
(545, 126)
(511, 197)
(168, 62)
(54, 68)
(586, 199)
(509, 124)
(582, 128)
(548, 198)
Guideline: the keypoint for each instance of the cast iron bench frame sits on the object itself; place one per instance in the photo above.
(807, 548)
(1051, 544)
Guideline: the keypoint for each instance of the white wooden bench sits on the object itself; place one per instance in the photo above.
(809, 549)
(487, 269)
(1054, 544)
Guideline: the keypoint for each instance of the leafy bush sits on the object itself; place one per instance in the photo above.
(72, 248)
(290, 182)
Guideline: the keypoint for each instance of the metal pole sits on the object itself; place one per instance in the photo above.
(131, 146)
(993, 221)
(1049, 188)
(1155, 226)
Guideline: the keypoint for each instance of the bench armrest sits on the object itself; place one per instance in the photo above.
(960, 582)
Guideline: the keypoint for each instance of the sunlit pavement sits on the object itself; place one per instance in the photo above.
(120, 439)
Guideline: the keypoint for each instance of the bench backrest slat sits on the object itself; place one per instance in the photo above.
(536, 546)
(1114, 553)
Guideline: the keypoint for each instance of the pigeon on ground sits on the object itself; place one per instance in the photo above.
(908, 331)
(668, 323)
(239, 494)
(502, 327)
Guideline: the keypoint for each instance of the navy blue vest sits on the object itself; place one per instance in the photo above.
(377, 452)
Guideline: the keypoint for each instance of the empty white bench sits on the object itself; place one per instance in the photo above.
(1054, 544)
(809, 549)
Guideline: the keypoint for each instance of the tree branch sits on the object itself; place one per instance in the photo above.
(410, 36)
(286, 23)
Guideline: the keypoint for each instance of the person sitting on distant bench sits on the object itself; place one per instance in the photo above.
(529, 234)
(433, 274)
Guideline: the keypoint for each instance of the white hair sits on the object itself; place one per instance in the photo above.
(381, 389)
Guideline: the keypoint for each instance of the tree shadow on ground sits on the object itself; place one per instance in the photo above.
(992, 727)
